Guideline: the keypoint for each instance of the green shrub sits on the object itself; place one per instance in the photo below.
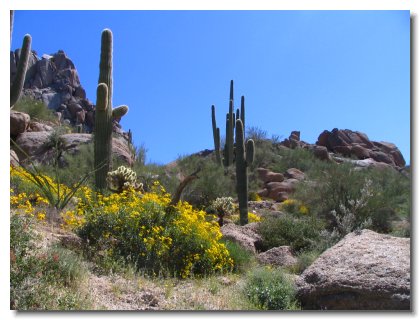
(242, 258)
(36, 109)
(270, 290)
(298, 158)
(305, 259)
(299, 233)
(42, 279)
(212, 183)
(370, 195)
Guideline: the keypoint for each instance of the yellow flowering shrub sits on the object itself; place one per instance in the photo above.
(295, 207)
(252, 217)
(143, 228)
(147, 231)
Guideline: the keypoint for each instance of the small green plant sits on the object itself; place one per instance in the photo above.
(58, 195)
(35, 109)
(270, 289)
(42, 279)
(243, 260)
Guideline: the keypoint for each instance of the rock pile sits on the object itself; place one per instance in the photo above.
(350, 143)
(278, 186)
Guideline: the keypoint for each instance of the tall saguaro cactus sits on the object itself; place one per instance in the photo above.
(104, 114)
(216, 135)
(17, 84)
(231, 117)
(244, 159)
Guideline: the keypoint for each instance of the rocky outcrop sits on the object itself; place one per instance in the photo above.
(278, 256)
(246, 236)
(54, 80)
(278, 186)
(350, 143)
(35, 144)
(364, 271)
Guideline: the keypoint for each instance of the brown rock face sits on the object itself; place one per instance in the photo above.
(19, 122)
(293, 173)
(353, 143)
(321, 153)
(364, 271)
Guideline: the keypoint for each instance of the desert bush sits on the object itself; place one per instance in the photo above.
(370, 194)
(150, 234)
(243, 260)
(298, 158)
(270, 289)
(213, 181)
(42, 279)
(300, 233)
(36, 109)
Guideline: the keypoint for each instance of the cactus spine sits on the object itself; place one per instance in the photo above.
(243, 160)
(104, 114)
(19, 81)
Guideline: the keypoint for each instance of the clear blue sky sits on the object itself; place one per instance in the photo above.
(298, 70)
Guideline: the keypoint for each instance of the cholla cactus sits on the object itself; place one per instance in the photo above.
(122, 179)
(223, 206)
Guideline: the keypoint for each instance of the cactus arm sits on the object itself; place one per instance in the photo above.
(19, 81)
(102, 137)
(250, 148)
(118, 112)
(105, 65)
(243, 111)
(216, 135)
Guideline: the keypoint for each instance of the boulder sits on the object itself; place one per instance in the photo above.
(262, 173)
(273, 177)
(321, 152)
(38, 126)
(32, 143)
(279, 191)
(364, 271)
(278, 256)
(360, 152)
(242, 235)
(380, 156)
(293, 173)
(14, 159)
(19, 122)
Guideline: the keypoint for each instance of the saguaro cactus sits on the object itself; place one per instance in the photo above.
(243, 160)
(17, 85)
(231, 117)
(216, 135)
(104, 114)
